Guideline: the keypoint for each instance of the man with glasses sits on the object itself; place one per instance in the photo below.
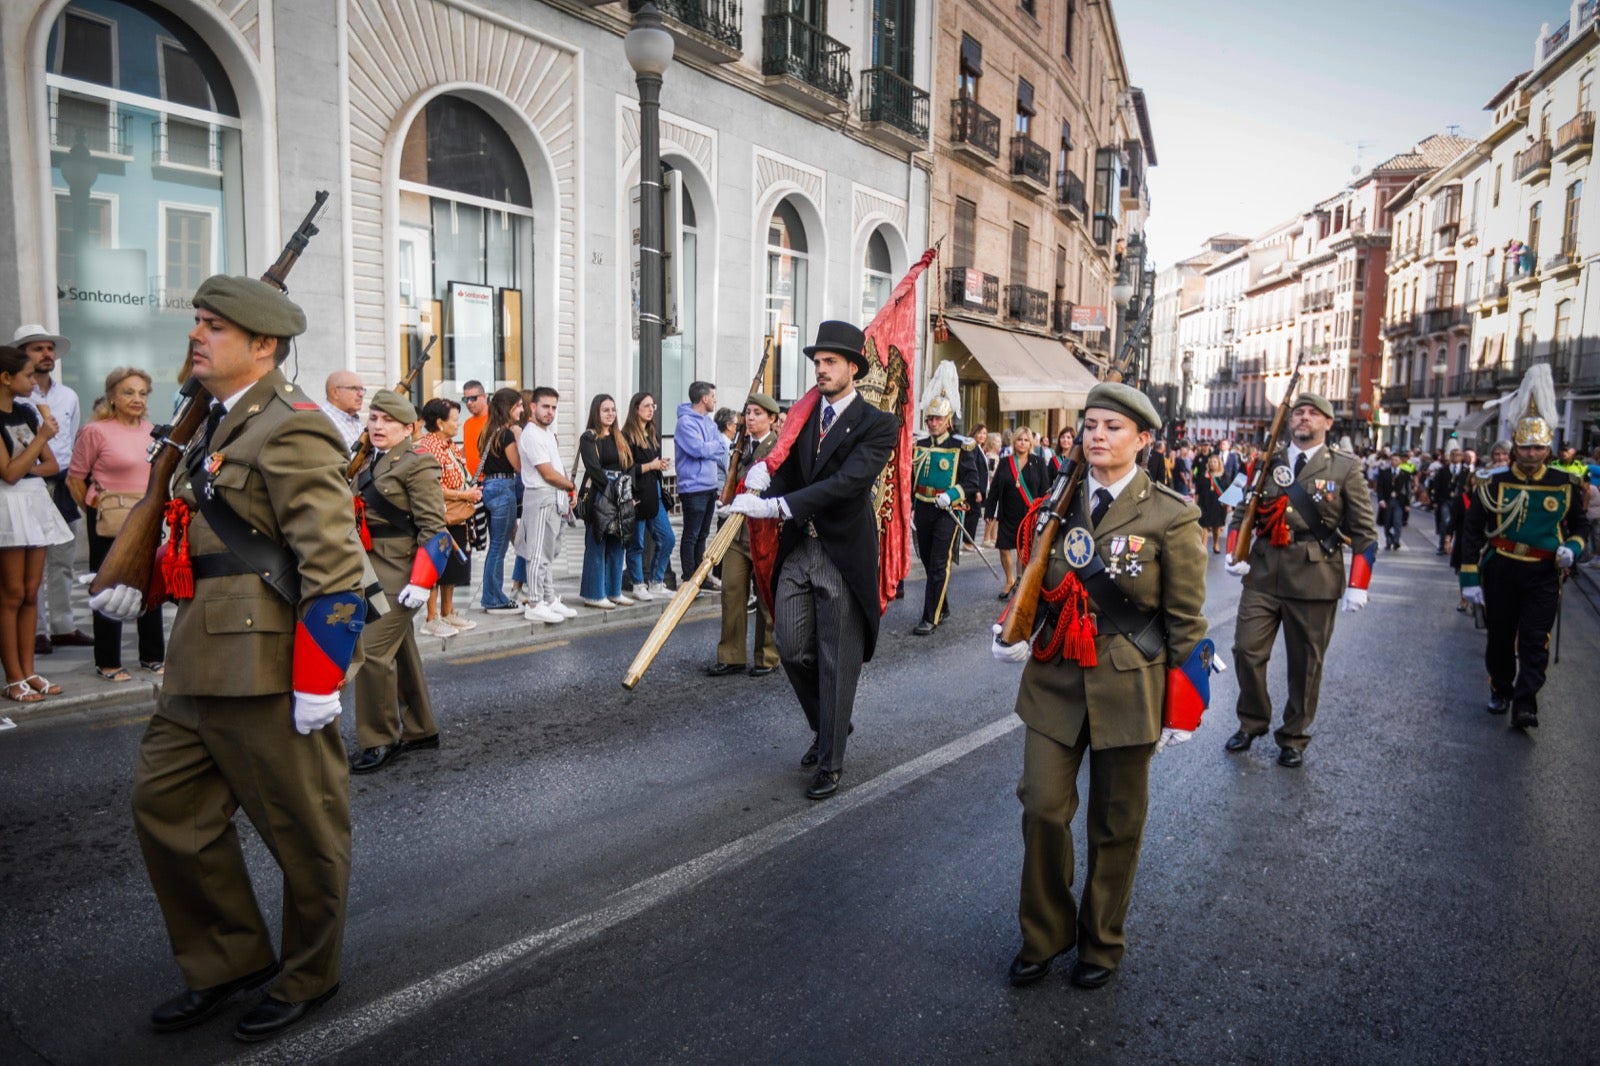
(343, 405)
(477, 403)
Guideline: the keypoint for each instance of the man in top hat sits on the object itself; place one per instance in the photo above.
(56, 627)
(1314, 501)
(945, 478)
(253, 674)
(1525, 526)
(738, 572)
(825, 580)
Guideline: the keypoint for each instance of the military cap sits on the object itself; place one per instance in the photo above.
(251, 305)
(763, 401)
(1311, 398)
(394, 405)
(1115, 396)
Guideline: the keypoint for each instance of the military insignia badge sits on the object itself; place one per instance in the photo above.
(1079, 548)
(944, 464)
(1552, 504)
(1283, 476)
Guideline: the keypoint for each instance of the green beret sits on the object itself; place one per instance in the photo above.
(394, 405)
(763, 401)
(1314, 400)
(1115, 396)
(251, 305)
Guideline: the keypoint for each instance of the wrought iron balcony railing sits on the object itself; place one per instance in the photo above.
(1061, 316)
(719, 19)
(794, 47)
(971, 290)
(1030, 161)
(1070, 193)
(1029, 306)
(1576, 135)
(1534, 162)
(887, 97)
(971, 125)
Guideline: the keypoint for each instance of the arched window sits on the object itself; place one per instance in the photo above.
(146, 185)
(680, 262)
(787, 270)
(465, 255)
(878, 277)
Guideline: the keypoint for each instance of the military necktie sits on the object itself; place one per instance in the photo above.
(1299, 465)
(1102, 503)
(214, 418)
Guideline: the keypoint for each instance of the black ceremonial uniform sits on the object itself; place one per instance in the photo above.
(943, 466)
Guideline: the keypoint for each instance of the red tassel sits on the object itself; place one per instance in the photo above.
(177, 573)
(361, 523)
(1270, 520)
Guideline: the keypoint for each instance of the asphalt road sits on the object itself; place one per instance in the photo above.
(583, 874)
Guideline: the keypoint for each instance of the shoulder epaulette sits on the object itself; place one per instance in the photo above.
(1170, 491)
(967, 443)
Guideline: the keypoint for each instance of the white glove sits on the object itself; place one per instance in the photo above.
(412, 596)
(1171, 738)
(757, 479)
(1008, 653)
(1354, 600)
(722, 510)
(120, 603)
(1564, 557)
(752, 506)
(1238, 569)
(314, 712)
(942, 501)
(1473, 594)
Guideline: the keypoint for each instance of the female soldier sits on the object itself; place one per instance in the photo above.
(1117, 671)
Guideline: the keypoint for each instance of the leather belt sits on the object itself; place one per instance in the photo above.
(1518, 550)
(218, 564)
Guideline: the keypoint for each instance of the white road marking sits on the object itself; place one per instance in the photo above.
(340, 1032)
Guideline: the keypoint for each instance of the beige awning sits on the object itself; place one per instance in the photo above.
(1063, 366)
(1032, 373)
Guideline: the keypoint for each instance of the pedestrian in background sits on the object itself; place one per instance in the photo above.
(109, 474)
(605, 456)
(650, 517)
(476, 398)
(973, 515)
(1209, 487)
(343, 394)
(991, 463)
(499, 470)
(1023, 477)
(546, 506)
(1395, 483)
(697, 448)
(440, 417)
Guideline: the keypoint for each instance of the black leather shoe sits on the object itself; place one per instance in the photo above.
(421, 744)
(824, 783)
(194, 1007)
(75, 639)
(924, 627)
(272, 1016)
(724, 669)
(1525, 718)
(1026, 973)
(1498, 705)
(809, 759)
(377, 758)
(1291, 758)
(1088, 975)
(1240, 741)
(760, 671)
(43, 646)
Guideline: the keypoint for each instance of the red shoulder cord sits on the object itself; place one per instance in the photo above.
(361, 523)
(176, 570)
(1270, 520)
(1075, 631)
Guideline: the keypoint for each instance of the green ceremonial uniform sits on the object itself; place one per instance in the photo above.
(738, 584)
(223, 735)
(941, 466)
(1149, 540)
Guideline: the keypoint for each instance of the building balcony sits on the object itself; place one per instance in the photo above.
(974, 131)
(1400, 326)
(1559, 360)
(1494, 297)
(1524, 277)
(1444, 319)
(1131, 189)
(805, 65)
(1031, 307)
(972, 291)
(709, 29)
(1070, 195)
(1061, 316)
(1318, 300)
(1315, 354)
(1395, 395)
(1533, 164)
(1575, 139)
(180, 144)
(893, 108)
(1030, 164)
(1563, 264)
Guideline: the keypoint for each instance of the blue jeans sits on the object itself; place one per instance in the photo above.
(698, 509)
(660, 529)
(500, 500)
(602, 565)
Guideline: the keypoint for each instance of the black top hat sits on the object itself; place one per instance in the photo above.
(836, 336)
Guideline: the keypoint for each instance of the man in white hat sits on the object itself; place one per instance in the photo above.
(56, 628)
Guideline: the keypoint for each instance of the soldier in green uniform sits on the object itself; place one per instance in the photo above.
(1111, 674)
(400, 509)
(1314, 501)
(945, 478)
(738, 574)
(253, 675)
(1525, 527)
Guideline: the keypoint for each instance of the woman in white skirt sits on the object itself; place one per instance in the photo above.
(29, 523)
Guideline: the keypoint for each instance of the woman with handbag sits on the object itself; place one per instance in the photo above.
(442, 420)
(649, 499)
(605, 503)
(108, 475)
(499, 475)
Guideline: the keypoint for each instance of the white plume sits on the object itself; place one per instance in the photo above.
(944, 382)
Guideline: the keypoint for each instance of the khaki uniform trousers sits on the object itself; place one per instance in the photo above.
(1307, 628)
(1119, 795)
(199, 761)
(738, 582)
(392, 701)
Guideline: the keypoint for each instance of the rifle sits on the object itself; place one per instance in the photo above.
(364, 445)
(1247, 520)
(689, 587)
(133, 553)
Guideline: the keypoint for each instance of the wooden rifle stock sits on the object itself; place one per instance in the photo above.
(364, 445)
(132, 556)
(1247, 521)
(730, 484)
(1017, 622)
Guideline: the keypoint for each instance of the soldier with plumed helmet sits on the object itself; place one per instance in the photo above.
(944, 468)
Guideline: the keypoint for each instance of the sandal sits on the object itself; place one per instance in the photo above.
(155, 666)
(115, 673)
(43, 686)
(26, 695)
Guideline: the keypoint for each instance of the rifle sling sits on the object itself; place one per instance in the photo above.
(401, 524)
(1313, 518)
(273, 563)
(1142, 628)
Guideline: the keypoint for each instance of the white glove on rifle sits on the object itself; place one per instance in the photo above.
(1564, 557)
(313, 712)
(757, 479)
(722, 510)
(1238, 569)
(1473, 594)
(412, 596)
(1008, 653)
(752, 506)
(942, 501)
(1172, 738)
(1354, 600)
(120, 603)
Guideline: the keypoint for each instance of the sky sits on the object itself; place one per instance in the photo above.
(1260, 108)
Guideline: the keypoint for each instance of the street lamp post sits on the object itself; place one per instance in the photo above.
(1439, 369)
(649, 50)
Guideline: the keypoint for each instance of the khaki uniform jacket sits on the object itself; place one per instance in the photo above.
(1123, 696)
(409, 480)
(1302, 570)
(279, 463)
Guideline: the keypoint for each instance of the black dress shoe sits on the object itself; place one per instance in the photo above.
(43, 646)
(760, 671)
(809, 759)
(824, 783)
(1088, 975)
(421, 744)
(1026, 973)
(724, 669)
(1498, 705)
(1240, 741)
(377, 758)
(194, 1007)
(1291, 758)
(76, 639)
(1525, 718)
(923, 628)
(272, 1016)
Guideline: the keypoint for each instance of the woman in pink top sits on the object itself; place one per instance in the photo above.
(109, 473)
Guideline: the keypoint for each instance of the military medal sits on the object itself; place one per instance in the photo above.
(1134, 568)
(1079, 547)
(1136, 544)
(1117, 544)
(1283, 476)
(213, 463)
(1114, 567)
(1552, 504)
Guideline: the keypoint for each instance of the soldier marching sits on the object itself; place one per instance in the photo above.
(945, 475)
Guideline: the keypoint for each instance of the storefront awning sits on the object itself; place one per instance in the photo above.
(1037, 376)
(1471, 425)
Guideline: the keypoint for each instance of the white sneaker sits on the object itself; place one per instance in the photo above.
(459, 620)
(624, 601)
(540, 612)
(602, 604)
(713, 582)
(660, 589)
(642, 592)
(562, 609)
(438, 627)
